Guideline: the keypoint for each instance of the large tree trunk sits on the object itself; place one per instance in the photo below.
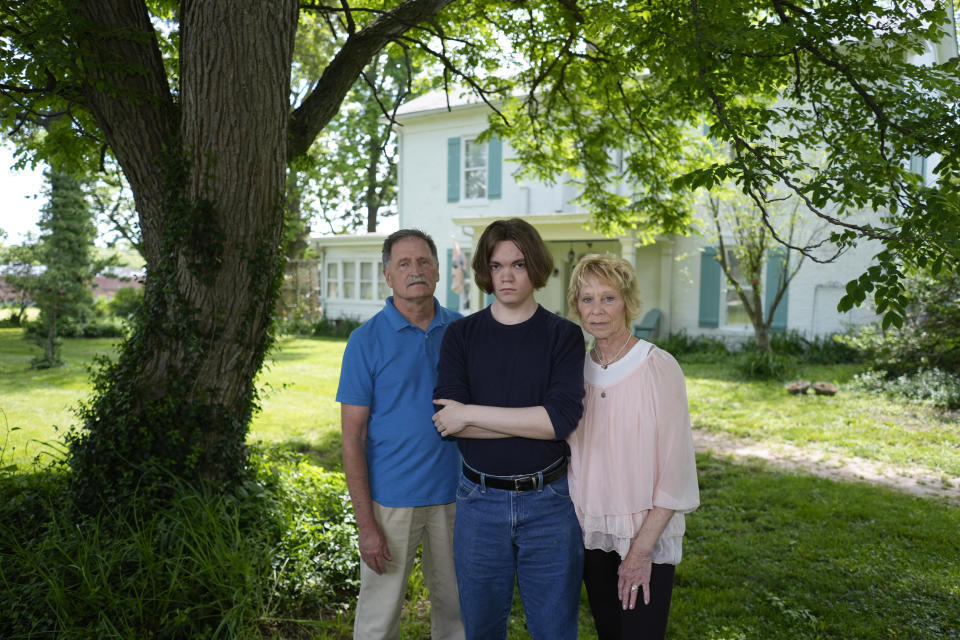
(207, 171)
(209, 184)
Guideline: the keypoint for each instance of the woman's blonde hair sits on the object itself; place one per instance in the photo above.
(608, 268)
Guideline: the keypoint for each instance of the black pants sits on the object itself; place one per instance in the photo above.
(646, 621)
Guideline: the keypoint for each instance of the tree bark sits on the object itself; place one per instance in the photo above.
(371, 197)
(128, 95)
(208, 177)
(206, 165)
(49, 348)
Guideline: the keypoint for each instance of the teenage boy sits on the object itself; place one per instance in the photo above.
(401, 475)
(510, 381)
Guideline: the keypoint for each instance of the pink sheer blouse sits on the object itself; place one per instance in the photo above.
(633, 450)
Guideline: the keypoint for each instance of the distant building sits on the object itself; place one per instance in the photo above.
(452, 186)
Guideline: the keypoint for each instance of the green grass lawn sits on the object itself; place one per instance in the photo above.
(299, 383)
(297, 388)
(769, 554)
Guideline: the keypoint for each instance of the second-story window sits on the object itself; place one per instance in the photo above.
(474, 170)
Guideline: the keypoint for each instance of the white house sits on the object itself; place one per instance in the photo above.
(451, 187)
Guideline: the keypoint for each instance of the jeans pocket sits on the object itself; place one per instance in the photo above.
(466, 490)
(559, 488)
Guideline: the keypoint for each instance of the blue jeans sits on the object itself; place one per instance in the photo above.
(533, 536)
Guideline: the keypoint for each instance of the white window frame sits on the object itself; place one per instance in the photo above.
(372, 280)
(727, 290)
(464, 169)
(377, 282)
(352, 282)
(327, 280)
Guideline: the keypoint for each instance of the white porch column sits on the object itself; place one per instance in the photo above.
(628, 249)
(666, 284)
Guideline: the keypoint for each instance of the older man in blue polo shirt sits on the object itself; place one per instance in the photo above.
(401, 475)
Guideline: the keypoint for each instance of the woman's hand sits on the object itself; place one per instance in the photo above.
(452, 419)
(634, 574)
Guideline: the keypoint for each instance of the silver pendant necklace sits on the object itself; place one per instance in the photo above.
(599, 354)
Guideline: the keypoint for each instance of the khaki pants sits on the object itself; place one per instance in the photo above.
(382, 596)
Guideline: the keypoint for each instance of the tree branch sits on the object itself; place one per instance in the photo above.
(324, 101)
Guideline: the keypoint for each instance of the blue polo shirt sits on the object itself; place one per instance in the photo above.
(390, 365)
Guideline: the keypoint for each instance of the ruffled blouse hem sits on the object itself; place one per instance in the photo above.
(616, 533)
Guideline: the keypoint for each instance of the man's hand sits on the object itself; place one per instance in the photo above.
(450, 420)
(373, 547)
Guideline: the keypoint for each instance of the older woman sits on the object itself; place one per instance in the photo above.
(632, 470)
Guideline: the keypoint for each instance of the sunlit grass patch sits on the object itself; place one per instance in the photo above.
(851, 423)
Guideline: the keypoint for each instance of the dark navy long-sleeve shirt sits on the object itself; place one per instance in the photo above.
(538, 362)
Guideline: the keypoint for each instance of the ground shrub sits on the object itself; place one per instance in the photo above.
(300, 325)
(829, 349)
(336, 328)
(12, 319)
(930, 335)
(690, 348)
(754, 363)
(281, 546)
(317, 565)
(94, 328)
(125, 302)
(933, 386)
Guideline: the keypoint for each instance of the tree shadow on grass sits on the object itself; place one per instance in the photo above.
(327, 453)
(780, 554)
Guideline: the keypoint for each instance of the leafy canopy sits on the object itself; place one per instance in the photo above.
(829, 102)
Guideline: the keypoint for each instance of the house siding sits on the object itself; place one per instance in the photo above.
(668, 271)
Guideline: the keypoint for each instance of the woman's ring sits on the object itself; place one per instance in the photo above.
(634, 587)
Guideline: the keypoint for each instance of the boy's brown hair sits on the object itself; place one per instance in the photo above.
(537, 257)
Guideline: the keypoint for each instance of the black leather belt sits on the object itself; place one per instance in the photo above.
(519, 483)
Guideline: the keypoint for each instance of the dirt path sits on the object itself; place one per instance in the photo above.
(918, 481)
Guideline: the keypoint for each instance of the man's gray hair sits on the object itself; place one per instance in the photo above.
(406, 233)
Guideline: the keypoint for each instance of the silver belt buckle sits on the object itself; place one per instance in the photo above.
(518, 482)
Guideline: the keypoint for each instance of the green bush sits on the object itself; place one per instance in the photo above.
(682, 346)
(930, 337)
(298, 324)
(755, 363)
(829, 349)
(204, 564)
(125, 302)
(71, 329)
(316, 563)
(13, 319)
(934, 386)
(336, 328)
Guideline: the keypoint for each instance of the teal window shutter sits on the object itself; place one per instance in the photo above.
(453, 169)
(776, 271)
(453, 298)
(494, 163)
(709, 289)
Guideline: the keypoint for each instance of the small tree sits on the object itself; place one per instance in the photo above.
(350, 172)
(753, 248)
(20, 264)
(62, 290)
